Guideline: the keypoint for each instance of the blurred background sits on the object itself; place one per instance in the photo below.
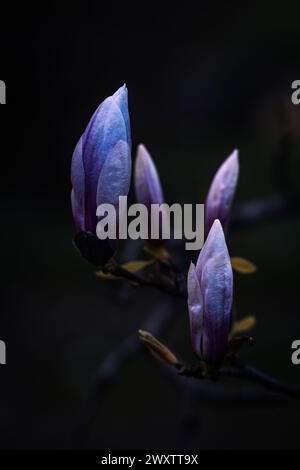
(202, 81)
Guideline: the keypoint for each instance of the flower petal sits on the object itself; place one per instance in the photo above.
(217, 291)
(221, 192)
(121, 98)
(114, 180)
(78, 187)
(147, 183)
(214, 244)
(195, 307)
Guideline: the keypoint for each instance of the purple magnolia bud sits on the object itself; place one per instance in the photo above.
(147, 184)
(148, 191)
(106, 135)
(221, 192)
(101, 169)
(210, 291)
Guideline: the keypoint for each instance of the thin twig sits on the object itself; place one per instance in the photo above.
(170, 288)
(219, 393)
(267, 381)
(243, 372)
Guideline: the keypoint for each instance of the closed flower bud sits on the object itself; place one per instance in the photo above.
(101, 163)
(147, 184)
(210, 292)
(221, 192)
(148, 191)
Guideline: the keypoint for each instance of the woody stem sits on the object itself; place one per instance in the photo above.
(115, 269)
(267, 381)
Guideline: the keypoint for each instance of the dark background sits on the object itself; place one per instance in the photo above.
(202, 81)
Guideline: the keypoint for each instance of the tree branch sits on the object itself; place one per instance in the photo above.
(242, 372)
(169, 287)
(267, 381)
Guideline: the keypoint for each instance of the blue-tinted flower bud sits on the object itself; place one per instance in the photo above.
(101, 162)
(221, 192)
(210, 292)
(107, 134)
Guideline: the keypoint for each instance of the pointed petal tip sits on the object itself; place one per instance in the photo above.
(217, 223)
(124, 88)
(215, 243)
(140, 148)
(234, 158)
(216, 227)
(216, 233)
(147, 183)
(142, 153)
(121, 92)
(192, 267)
